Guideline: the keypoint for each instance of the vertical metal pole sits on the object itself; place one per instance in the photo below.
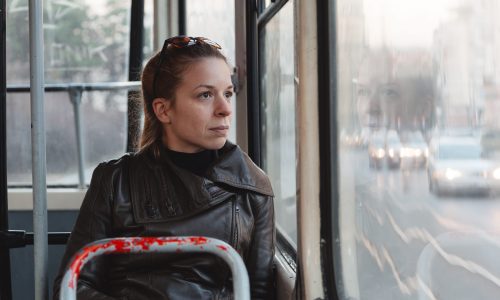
(309, 179)
(38, 148)
(5, 280)
(182, 17)
(75, 95)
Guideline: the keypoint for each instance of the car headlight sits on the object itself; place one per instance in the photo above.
(451, 174)
(496, 173)
(406, 152)
(391, 152)
(380, 153)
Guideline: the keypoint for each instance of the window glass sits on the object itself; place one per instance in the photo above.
(147, 50)
(277, 75)
(215, 20)
(418, 89)
(265, 3)
(85, 42)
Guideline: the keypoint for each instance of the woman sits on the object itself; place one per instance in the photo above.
(186, 179)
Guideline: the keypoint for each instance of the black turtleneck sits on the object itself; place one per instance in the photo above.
(197, 163)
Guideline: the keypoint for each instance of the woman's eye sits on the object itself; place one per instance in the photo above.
(228, 94)
(205, 95)
(392, 93)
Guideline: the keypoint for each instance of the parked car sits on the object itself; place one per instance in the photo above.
(456, 165)
(415, 151)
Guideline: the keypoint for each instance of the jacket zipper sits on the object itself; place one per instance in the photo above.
(236, 222)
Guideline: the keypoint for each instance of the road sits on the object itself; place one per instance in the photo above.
(411, 244)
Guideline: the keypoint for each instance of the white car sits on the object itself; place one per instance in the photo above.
(456, 165)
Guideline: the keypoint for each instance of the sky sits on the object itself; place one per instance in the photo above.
(407, 23)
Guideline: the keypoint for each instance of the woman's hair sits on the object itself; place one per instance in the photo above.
(174, 63)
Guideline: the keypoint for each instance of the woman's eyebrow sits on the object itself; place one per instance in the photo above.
(204, 86)
(211, 86)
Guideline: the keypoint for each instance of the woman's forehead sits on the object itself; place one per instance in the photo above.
(207, 71)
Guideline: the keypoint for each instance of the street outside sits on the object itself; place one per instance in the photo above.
(412, 244)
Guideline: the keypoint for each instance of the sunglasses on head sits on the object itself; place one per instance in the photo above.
(179, 42)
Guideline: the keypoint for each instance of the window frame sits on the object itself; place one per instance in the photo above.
(256, 23)
(328, 145)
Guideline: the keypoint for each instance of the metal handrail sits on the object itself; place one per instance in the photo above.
(197, 244)
(64, 87)
(75, 91)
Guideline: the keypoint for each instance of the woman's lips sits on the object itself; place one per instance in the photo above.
(220, 130)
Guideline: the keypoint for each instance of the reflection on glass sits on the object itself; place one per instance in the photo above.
(419, 89)
(278, 108)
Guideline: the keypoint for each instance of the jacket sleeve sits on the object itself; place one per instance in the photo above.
(93, 223)
(261, 255)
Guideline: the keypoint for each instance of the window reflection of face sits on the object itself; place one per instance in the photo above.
(378, 103)
(390, 99)
(379, 97)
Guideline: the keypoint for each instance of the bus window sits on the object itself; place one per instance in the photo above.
(85, 42)
(148, 50)
(277, 73)
(425, 72)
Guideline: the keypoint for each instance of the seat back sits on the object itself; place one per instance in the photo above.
(189, 244)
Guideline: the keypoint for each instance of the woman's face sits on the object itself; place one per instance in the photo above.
(200, 115)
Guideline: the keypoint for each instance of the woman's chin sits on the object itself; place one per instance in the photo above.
(218, 143)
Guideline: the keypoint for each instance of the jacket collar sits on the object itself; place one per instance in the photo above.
(232, 167)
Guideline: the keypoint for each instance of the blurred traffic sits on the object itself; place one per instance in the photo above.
(457, 162)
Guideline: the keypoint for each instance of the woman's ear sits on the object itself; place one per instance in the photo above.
(161, 107)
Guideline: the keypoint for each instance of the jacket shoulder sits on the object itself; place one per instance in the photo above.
(237, 169)
(105, 171)
(114, 165)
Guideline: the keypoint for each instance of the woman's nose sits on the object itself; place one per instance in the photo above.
(223, 106)
(374, 105)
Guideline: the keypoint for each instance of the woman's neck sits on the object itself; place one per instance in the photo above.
(197, 163)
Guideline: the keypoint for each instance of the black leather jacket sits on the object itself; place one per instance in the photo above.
(138, 195)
